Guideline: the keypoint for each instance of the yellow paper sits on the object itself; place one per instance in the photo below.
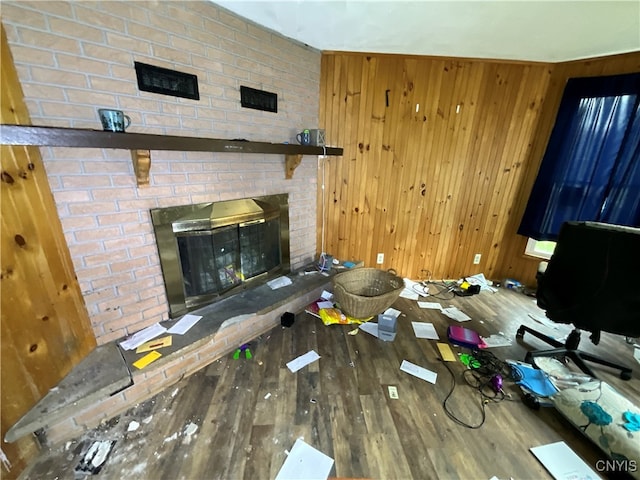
(147, 359)
(155, 343)
(446, 353)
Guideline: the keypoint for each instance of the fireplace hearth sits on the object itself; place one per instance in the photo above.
(209, 251)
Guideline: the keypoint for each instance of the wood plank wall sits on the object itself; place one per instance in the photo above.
(439, 158)
(45, 325)
(434, 152)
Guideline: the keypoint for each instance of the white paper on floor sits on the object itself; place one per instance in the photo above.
(418, 371)
(431, 305)
(415, 288)
(456, 314)
(562, 462)
(425, 330)
(302, 361)
(409, 294)
(371, 328)
(479, 279)
(305, 463)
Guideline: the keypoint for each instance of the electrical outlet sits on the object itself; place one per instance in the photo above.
(393, 392)
(476, 259)
(380, 258)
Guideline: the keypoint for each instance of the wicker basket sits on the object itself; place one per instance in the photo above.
(364, 292)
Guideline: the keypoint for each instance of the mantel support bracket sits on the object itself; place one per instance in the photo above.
(141, 166)
(291, 162)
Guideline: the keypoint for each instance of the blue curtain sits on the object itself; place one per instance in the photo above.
(591, 168)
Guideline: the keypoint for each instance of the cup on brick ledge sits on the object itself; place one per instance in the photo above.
(114, 120)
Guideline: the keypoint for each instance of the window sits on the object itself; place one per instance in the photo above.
(540, 248)
(591, 168)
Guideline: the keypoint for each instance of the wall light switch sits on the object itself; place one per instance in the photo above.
(476, 259)
(380, 258)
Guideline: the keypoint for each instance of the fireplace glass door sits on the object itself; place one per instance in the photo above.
(210, 251)
(214, 261)
(259, 247)
(209, 261)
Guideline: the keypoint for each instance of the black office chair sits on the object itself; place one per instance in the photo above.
(593, 282)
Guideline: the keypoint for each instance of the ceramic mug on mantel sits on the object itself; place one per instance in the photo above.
(114, 120)
(304, 137)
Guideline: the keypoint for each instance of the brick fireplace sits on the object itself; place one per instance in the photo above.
(75, 57)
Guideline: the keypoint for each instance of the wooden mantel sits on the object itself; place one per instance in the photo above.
(141, 144)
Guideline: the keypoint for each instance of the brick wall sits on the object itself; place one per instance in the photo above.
(75, 57)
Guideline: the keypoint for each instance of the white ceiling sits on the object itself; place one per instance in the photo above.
(548, 31)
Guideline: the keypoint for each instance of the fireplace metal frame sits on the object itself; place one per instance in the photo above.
(170, 222)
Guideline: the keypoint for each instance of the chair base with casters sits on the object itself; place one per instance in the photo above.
(570, 349)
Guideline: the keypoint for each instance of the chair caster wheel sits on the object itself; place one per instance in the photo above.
(520, 333)
(625, 375)
(531, 401)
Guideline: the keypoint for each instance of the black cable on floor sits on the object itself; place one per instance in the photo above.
(452, 415)
(481, 379)
(444, 289)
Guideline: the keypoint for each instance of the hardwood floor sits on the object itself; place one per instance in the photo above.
(340, 405)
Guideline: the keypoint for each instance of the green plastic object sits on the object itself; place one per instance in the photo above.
(469, 361)
(243, 348)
